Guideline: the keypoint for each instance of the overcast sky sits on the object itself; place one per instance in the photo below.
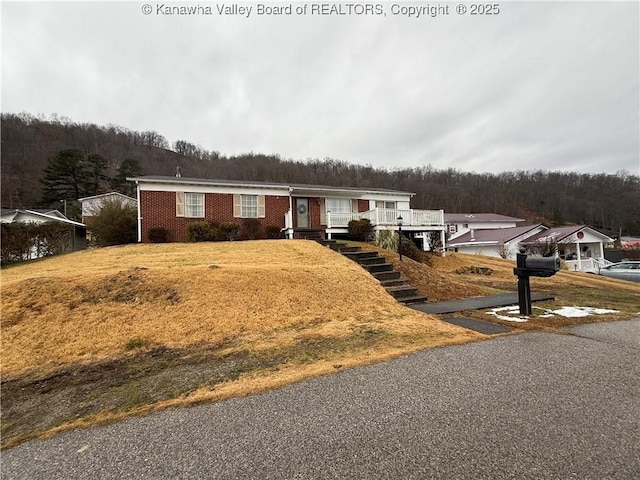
(539, 85)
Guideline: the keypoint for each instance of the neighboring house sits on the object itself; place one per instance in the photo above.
(460, 223)
(581, 247)
(91, 205)
(77, 241)
(495, 242)
(299, 210)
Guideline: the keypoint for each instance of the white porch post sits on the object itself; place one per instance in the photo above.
(442, 240)
(579, 255)
(601, 250)
(328, 219)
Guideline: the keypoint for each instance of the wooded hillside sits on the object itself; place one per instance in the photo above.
(605, 201)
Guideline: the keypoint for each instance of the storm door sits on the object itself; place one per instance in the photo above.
(302, 212)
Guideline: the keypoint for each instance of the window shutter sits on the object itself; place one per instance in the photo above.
(261, 207)
(237, 205)
(179, 204)
(323, 212)
(354, 205)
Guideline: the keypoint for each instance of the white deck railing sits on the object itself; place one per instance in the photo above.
(388, 217)
(341, 219)
(586, 264)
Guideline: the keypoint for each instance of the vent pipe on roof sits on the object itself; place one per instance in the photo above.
(178, 171)
(473, 234)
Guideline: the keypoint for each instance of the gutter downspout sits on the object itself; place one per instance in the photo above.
(139, 212)
(291, 211)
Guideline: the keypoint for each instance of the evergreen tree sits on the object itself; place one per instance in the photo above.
(95, 166)
(71, 175)
(64, 177)
(129, 167)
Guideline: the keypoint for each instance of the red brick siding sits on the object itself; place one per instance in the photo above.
(158, 209)
(363, 205)
(314, 212)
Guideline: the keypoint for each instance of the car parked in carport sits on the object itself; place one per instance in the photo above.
(629, 270)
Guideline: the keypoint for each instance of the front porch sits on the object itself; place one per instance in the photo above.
(586, 264)
(581, 257)
(413, 221)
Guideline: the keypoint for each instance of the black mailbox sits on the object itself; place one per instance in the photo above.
(542, 266)
(532, 267)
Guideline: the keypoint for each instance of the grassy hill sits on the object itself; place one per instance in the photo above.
(102, 334)
(175, 323)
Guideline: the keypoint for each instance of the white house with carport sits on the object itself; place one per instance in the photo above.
(460, 223)
(495, 242)
(77, 241)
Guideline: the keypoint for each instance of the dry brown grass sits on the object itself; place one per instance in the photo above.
(88, 306)
(125, 331)
(129, 330)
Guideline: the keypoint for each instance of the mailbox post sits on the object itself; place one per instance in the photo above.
(532, 267)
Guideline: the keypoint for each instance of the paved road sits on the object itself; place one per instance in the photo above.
(529, 406)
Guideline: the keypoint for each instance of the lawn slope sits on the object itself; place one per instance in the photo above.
(122, 330)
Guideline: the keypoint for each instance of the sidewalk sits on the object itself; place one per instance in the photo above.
(477, 303)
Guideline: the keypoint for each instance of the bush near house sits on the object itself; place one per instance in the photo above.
(23, 241)
(409, 249)
(115, 224)
(360, 230)
(251, 229)
(273, 231)
(387, 239)
(230, 231)
(201, 232)
(158, 235)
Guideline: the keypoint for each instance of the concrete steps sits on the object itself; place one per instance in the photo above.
(391, 280)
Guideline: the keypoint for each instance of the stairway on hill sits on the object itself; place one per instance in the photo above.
(377, 266)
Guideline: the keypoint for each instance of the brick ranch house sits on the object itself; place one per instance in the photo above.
(299, 210)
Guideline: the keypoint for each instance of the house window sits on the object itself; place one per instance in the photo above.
(190, 205)
(453, 228)
(385, 204)
(249, 206)
(338, 205)
(194, 205)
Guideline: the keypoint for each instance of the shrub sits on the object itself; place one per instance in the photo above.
(251, 229)
(273, 231)
(158, 235)
(22, 241)
(52, 238)
(217, 235)
(387, 239)
(114, 224)
(360, 230)
(230, 230)
(200, 232)
(409, 249)
(17, 241)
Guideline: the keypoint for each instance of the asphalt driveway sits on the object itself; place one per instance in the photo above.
(528, 406)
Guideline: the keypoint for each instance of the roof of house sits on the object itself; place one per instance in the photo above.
(107, 195)
(14, 213)
(245, 183)
(558, 234)
(478, 217)
(492, 235)
(45, 211)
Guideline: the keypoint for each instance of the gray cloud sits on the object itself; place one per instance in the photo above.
(540, 86)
